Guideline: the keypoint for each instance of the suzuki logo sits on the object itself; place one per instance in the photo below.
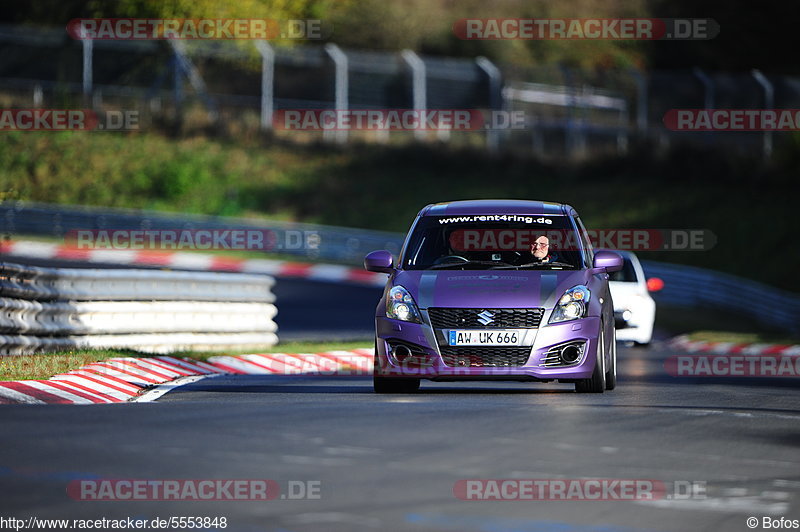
(486, 317)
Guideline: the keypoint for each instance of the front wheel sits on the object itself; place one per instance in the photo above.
(597, 383)
(391, 384)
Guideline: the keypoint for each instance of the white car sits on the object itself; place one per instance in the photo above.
(634, 309)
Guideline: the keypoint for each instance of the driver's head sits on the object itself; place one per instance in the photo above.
(541, 247)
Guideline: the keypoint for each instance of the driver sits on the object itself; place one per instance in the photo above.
(540, 249)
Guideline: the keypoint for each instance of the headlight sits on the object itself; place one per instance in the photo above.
(400, 305)
(572, 305)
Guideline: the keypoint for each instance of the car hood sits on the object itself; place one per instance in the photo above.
(490, 289)
(623, 293)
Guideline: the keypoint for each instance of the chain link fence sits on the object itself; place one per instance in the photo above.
(238, 86)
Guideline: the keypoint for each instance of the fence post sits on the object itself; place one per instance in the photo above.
(88, 48)
(574, 127)
(38, 95)
(267, 83)
(495, 98)
(184, 66)
(341, 88)
(177, 90)
(769, 102)
(641, 101)
(419, 87)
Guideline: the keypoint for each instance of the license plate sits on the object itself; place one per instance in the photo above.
(496, 337)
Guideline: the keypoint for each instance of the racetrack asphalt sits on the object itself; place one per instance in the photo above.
(390, 462)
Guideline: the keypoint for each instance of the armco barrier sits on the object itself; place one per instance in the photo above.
(47, 309)
(313, 242)
(686, 286)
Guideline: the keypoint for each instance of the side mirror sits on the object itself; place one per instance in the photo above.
(608, 260)
(654, 284)
(379, 261)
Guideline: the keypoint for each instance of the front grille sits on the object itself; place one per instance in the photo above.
(505, 318)
(485, 357)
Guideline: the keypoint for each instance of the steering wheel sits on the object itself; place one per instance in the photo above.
(446, 258)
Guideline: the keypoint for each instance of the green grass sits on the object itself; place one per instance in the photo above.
(382, 187)
(27, 367)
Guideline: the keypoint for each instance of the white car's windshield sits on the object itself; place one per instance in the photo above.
(491, 242)
(626, 275)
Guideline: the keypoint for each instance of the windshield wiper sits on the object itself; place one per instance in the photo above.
(537, 265)
(459, 264)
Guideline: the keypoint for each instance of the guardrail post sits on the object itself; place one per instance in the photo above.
(708, 97)
(419, 87)
(267, 83)
(769, 102)
(622, 132)
(341, 89)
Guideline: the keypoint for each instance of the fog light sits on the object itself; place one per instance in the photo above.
(401, 352)
(570, 354)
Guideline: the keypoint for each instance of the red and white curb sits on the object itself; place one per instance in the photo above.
(119, 380)
(195, 261)
(732, 348)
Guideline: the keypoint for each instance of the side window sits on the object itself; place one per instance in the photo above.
(588, 253)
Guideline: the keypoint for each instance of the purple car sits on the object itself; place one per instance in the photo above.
(495, 290)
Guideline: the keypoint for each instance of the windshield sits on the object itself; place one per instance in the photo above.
(493, 242)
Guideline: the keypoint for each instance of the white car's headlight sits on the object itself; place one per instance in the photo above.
(572, 305)
(401, 306)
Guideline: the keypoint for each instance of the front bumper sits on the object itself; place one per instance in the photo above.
(427, 362)
(638, 327)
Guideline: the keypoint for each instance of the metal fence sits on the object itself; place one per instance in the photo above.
(47, 309)
(568, 112)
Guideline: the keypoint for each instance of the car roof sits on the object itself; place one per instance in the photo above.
(498, 206)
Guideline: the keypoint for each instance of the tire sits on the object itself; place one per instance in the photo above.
(597, 383)
(391, 384)
(611, 374)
